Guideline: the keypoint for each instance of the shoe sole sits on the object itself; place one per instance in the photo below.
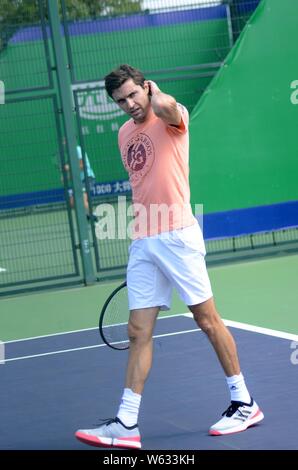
(129, 443)
(254, 420)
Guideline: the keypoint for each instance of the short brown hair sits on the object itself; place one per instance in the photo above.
(117, 77)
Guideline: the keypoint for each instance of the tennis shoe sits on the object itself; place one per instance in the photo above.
(113, 433)
(238, 417)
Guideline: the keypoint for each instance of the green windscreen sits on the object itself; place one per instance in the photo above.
(244, 146)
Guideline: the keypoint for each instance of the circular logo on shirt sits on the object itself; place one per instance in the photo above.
(138, 156)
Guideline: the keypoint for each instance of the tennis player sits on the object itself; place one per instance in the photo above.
(90, 178)
(154, 145)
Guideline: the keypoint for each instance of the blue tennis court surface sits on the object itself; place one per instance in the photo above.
(54, 385)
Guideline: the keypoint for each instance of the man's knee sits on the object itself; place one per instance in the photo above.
(141, 324)
(206, 316)
(138, 333)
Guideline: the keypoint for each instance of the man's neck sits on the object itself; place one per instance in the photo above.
(150, 114)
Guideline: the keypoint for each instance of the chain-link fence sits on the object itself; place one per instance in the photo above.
(179, 44)
(36, 232)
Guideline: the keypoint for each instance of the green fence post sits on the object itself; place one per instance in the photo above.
(64, 87)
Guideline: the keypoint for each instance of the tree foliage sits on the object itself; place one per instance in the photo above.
(16, 13)
(27, 11)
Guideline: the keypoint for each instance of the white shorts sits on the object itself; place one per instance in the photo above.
(171, 259)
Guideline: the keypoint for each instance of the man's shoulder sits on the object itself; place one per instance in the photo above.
(182, 128)
(182, 109)
(125, 130)
(126, 126)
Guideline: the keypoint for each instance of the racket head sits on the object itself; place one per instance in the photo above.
(113, 319)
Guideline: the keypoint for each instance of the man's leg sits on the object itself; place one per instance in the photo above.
(88, 209)
(123, 430)
(243, 411)
(208, 319)
(140, 330)
(86, 203)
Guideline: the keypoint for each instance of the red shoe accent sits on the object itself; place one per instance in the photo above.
(91, 440)
(256, 414)
(133, 439)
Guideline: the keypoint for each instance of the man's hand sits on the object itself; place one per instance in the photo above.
(163, 105)
(153, 87)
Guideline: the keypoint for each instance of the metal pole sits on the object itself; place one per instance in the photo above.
(230, 24)
(69, 126)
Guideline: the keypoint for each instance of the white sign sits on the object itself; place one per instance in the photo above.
(94, 102)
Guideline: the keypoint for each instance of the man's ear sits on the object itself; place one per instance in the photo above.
(147, 87)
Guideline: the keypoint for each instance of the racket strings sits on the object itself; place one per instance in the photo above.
(114, 321)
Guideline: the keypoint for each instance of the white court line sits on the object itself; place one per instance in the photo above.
(80, 331)
(50, 335)
(52, 353)
(239, 325)
(256, 329)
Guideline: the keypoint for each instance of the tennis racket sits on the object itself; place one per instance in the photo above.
(113, 319)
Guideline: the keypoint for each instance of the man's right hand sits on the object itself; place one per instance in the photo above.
(153, 87)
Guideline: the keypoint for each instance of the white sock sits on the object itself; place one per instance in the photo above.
(238, 388)
(129, 408)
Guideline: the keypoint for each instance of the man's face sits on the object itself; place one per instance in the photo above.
(133, 100)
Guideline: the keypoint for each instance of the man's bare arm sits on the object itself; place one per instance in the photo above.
(164, 106)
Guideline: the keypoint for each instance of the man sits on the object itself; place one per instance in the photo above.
(90, 178)
(154, 150)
